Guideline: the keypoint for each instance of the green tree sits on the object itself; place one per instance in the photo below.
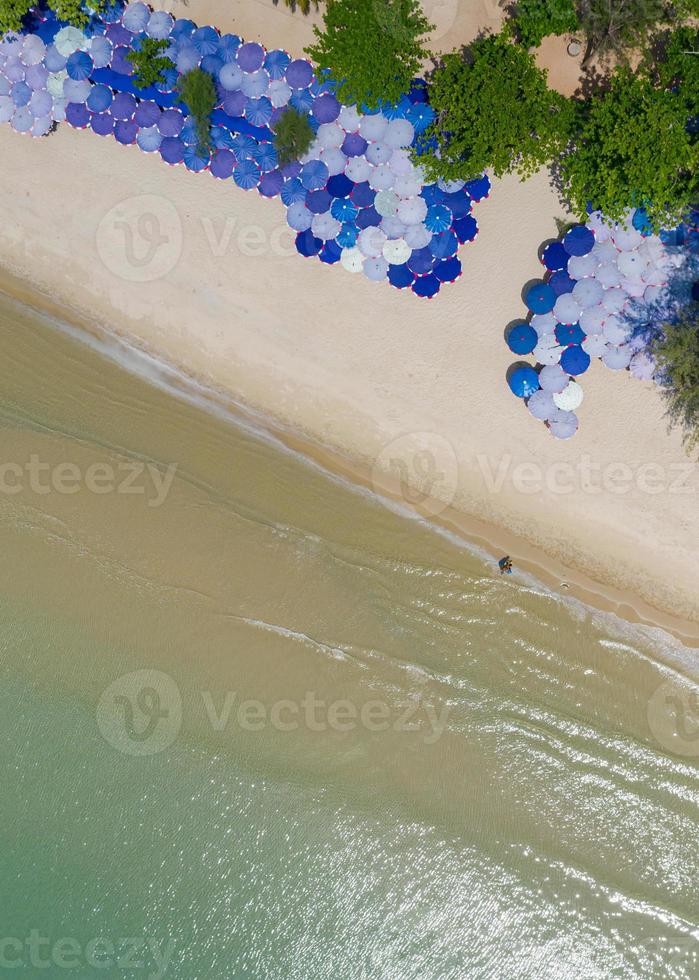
(303, 5)
(13, 12)
(633, 147)
(536, 19)
(148, 62)
(493, 110)
(293, 135)
(373, 48)
(613, 27)
(677, 354)
(198, 93)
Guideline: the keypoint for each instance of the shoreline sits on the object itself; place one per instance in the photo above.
(490, 540)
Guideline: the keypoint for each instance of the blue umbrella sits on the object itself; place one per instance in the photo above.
(307, 244)
(228, 45)
(479, 188)
(579, 240)
(522, 339)
(343, 209)
(302, 101)
(314, 175)
(363, 194)
(318, 202)
(331, 252)
(421, 261)
(555, 257)
(400, 276)
(523, 381)
(299, 74)
(222, 164)
(183, 28)
(250, 56)
(438, 218)
(458, 203)
(189, 132)
(194, 160)
(540, 298)
(276, 63)
(367, 217)
(241, 141)
(561, 283)
(205, 40)
(354, 145)
(77, 114)
(21, 94)
(102, 123)
(432, 194)
(212, 64)
(397, 110)
(421, 116)
(574, 360)
(292, 191)
(265, 156)
(79, 65)
(339, 185)
(222, 138)
(466, 228)
(444, 244)
(448, 270)
(172, 150)
(569, 333)
(271, 183)
(347, 236)
(258, 111)
(149, 139)
(125, 131)
(246, 174)
(426, 286)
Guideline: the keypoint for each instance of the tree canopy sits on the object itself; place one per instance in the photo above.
(148, 62)
(293, 134)
(372, 48)
(13, 12)
(677, 354)
(198, 92)
(495, 110)
(536, 19)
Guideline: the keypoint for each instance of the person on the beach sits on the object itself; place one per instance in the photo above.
(505, 565)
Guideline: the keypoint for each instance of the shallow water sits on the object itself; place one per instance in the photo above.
(439, 773)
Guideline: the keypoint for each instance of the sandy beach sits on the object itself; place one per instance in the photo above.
(372, 381)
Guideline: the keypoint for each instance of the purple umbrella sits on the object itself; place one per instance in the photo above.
(299, 74)
(54, 60)
(123, 106)
(271, 183)
(234, 103)
(119, 35)
(125, 131)
(368, 217)
(100, 98)
(222, 164)
(172, 150)
(171, 122)
(326, 108)
(41, 104)
(120, 63)
(77, 114)
(102, 123)
(246, 174)
(149, 139)
(354, 145)
(147, 114)
(250, 56)
(318, 201)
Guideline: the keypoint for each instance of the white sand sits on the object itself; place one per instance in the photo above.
(354, 365)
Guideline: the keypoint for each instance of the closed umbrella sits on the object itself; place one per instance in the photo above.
(376, 269)
(553, 378)
(352, 260)
(567, 309)
(541, 405)
(578, 240)
(574, 360)
(563, 425)
(539, 298)
(523, 381)
(250, 56)
(522, 339)
(588, 293)
(298, 216)
(246, 174)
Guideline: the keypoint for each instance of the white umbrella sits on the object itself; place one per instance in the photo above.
(376, 269)
(633, 287)
(15, 70)
(570, 398)
(614, 300)
(544, 323)
(588, 293)
(615, 330)
(255, 83)
(231, 75)
(399, 133)
(298, 216)
(654, 276)
(382, 178)
(412, 210)
(100, 51)
(541, 405)
(372, 128)
(617, 358)
(594, 344)
(5, 85)
(653, 294)
(278, 92)
(626, 238)
(642, 366)
(609, 275)
(604, 252)
(592, 319)
(54, 83)
(417, 236)
(358, 169)
(553, 378)
(330, 134)
(37, 76)
(33, 49)
(135, 17)
(564, 424)
(42, 125)
(408, 186)
(7, 108)
(334, 159)
(597, 224)
(22, 120)
(547, 353)
(567, 309)
(159, 25)
(632, 265)
(352, 259)
(41, 104)
(377, 153)
(401, 164)
(386, 203)
(325, 226)
(396, 251)
(580, 266)
(371, 241)
(393, 227)
(70, 39)
(349, 118)
(76, 91)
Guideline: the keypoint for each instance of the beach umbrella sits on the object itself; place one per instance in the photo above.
(189, 132)
(330, 253)
(276, 63)
(399, 133)
(171, 122)
(566, 308)
(258, 111)
(555, 257)
(14, 70)
(626, 237)
(120, 63)
(633, 288)
(255, 84)
(574, 360)
(21, 94)
(343, 209)
(371, 241)
(400, 276)
(615, 330)
(302, 101)
(326, 108)
(523, 381)
(358, 169)
(381, 178)
(478, 188)
(168, 80)
(653, 294)
(543, 323)
(222, 164)
(76, 91)
(278, 93)
(246, 174)
(444, 244)
(608, 275)
(230, 76)
(36, 77)
(335, 160)
(594, 344)
(546, 351)
(386, 203)
(194, 159)
(459, 204)
(373, 127)
(347, 238)
(318, 201)
(541, 405)
(33, 49)
(466, 230)
(617, 358)
(421, 261)
(100, 98)
(77, 115)
(578, 240)
(68, 40)
(183, 28)
(396, 251)
(172, 150)
(522, 339)
(41, 104)
(325, 226)
(55, 61)
(375, 269)
(377, 153)
(118, 35)
(580, 266)
(205, 40)
(23, 120)
(588, 293)
(352, 260)
(330, 135)
(592, 319)
(293, 191)
(632, 265)
(354, 145)
(402, 166)
(125, 131)
(149, 139)
(394, 228)
(561, 282)
(307, 244)
(362, 195)
(135, 17)
(642, 366)
(417, 236)
(212, 64)
(447, 270)
(349, 118)
(102, 123)
(250, 56)
(265, 156)
(339, 185)
(539, 298)
(160, 24)
(234, 103)
(421, 116)
(41, 125)
(147, 113)
(426, 286)
(412, 211)
(314, 175)
(438, 218)
(123, 106)
(553, 378)
(298, 216)
(408, 185)
(563, 425)
(227, 48)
